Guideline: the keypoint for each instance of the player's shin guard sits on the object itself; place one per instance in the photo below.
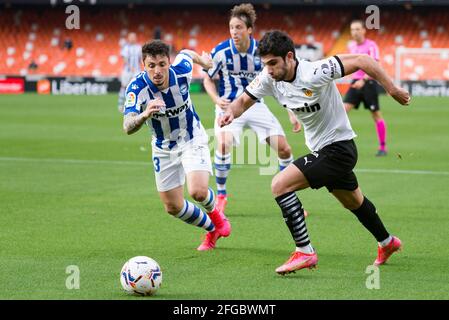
(192, 214)
(283, 163)
(209, 203)
(367, 215)
(293, 214)
(222, 165)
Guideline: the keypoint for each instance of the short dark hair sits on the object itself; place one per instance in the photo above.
(154, 48)
(246, 13)
(277, 43)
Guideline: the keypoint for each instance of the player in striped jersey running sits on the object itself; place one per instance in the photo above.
(159, 97)
(131, 53)
(237, 64)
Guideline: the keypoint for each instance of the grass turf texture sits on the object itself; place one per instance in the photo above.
(98, 213)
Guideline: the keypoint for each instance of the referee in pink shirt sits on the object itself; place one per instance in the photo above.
(363, 87)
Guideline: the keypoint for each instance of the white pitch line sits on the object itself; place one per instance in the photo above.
(425, 172)
(143, 163)
(77, 161)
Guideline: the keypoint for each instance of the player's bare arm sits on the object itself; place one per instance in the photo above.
(235, 109)
(133, 121)
(211, 90)
(353, 62)
(204, 60)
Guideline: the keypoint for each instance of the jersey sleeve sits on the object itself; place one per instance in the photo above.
(321, 72)
(217, 63)
(134, 99)
(261, 86)
(183, 64)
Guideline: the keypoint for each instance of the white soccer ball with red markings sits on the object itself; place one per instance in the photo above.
(141, 276)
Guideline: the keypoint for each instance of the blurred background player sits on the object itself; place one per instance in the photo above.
(132, 56)
(237, 64)
(364, 88)
(160, 97)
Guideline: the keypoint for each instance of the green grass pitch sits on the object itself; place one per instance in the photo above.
(75, 190)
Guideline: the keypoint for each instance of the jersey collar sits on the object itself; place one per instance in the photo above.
(296, 71)
(171, 80)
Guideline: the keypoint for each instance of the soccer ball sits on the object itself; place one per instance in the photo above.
(141, 276)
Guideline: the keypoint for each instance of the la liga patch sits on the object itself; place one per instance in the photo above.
(130, 99)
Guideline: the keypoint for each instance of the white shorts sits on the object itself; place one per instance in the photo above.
(171, 167)
(258, 118)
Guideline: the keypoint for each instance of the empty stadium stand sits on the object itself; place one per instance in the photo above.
(38, 34)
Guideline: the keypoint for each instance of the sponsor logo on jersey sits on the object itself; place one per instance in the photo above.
(243, 74)
(172, 112)
(313, 108)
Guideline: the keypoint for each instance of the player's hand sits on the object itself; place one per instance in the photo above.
(225, 119)
(296, 126)
(400, 95)
(294, 121)
(222, 103)
(206, 60)
(153, 106)
(358, 84)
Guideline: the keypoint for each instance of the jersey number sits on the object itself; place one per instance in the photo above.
(157, 166)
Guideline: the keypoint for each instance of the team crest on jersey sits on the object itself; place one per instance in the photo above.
(130, 99)
(183, 89)
(307, 92)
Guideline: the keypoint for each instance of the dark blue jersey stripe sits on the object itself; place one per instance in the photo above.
(189, 119)
(174, 125)
(168, 99)
(159, 133)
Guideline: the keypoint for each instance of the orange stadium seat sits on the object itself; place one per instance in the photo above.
(39, 35)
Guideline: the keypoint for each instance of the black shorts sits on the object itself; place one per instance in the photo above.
(331, 167)
(368, 94)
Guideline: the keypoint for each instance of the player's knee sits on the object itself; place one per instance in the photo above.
(351, 204)
(222, 148)
(172, 208)
(199, 194)
(285, 151)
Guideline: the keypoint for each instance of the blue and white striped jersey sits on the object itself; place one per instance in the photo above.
(236, 70)
(132, 57)
(179, 122)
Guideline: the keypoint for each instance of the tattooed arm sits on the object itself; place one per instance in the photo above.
(133, 121)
